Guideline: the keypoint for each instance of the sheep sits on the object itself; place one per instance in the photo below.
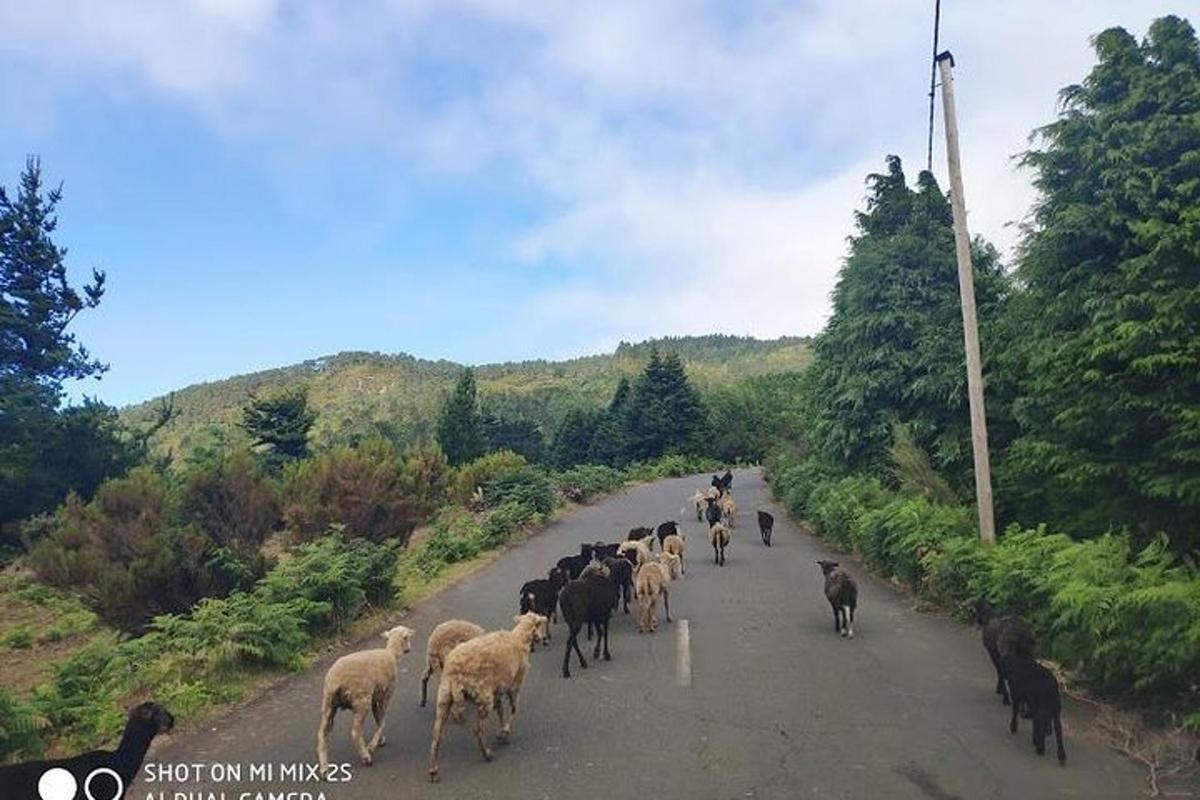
(1035, 689)
(145, 721)
(641, 548)
(601, 551)
(620, 572)
(652, 580)
(766, 524)
(673, 544)
(639, 533)
(728, 510)
(718, 536)
(700, 502)
(483, 671)
(1001, 634)
(445, 637)
(842, 593)
(664, 530)
(573, 565)
(542, 595)
(723, 483)
(589, 600)
(361, 682)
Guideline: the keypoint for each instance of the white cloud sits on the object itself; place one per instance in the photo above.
(709, 156)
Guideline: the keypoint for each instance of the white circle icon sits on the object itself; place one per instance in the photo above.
(56, 783)
(87, 784)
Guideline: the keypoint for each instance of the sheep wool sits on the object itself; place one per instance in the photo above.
(445, 637)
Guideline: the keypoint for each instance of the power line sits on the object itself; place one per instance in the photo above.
(937, 18)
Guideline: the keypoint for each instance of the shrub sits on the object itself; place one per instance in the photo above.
(456, 537)
(585, 481)
(20, 730)
(231, 500)
(504, 521)
(18, 639)
(363, 489)
(901, 536)
(835, 508)
(482, 471)
(527, 486)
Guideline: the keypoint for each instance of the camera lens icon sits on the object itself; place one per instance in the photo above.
(57, 783)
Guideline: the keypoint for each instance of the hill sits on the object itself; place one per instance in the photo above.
(358, 394)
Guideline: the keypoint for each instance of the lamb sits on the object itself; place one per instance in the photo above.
(652, 580)
(641, 548)
(445, 637)
(1002, 634)
(639, 533)
(483, 671)
(673, 544)
(718, 536)
(666, 529)
(361, 682)
(766, 524)
(145, 721)
(842, 593)
(589, 600)
(542, 595)
(1035, 689)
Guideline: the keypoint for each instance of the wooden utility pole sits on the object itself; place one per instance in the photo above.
(966, 290)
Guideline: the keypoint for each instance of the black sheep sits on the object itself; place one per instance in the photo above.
(766, 524)
(573, 565)
(603, 551)
(588, 600)
(93, 771)
(1002, 635)
(541, 595)
(636, 534)
(620, 572)
(666, 529)
(712, 512)
(1035, 689)
(842, 593)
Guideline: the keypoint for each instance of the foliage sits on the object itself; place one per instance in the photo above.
(364, 489)
(610, 438)
(748, 418)
(911, 470)
(664, 413)
(526, 486)
(515, 433)
(279, 423)
(1108, 375)
(585, 481)
(19, 730)
(572, 440)
(231, 500)
(460, 425)
(482, 471)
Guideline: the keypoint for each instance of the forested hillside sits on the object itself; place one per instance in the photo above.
(357, 395)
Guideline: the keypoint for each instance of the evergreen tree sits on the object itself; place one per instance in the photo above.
(573, 437)
(460, 425)
(518, 434)
(664, 411)
(1109, 379)
(893, 348)
(279, 422)
(610, 442)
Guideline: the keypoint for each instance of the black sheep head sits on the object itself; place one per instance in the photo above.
(826, 566)
(155, 715)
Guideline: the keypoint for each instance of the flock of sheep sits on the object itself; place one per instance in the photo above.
(486, 669)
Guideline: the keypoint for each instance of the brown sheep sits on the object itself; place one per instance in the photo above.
(445, 637)
(651, 581)
(483, 671)
(361, 682)
(673, 544)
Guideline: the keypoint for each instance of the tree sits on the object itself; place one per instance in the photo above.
(516, 433)
(893, 347)
(46, 452)
(460, 425)
(664, 411)
(1109, 379)
(610, 441)
(280, 422)
(573, 437)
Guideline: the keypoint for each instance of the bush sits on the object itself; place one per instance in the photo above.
(526, 486)
(835, 508)
(456, 537)
(482, 471)
(231, 500)
(363, 489)
(585, 481)
(900, 537)
(18, 639)
(504, 521)
(20, 730)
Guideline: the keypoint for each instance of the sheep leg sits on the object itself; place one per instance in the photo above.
(1001, 682)
(1062, 754)
(480, 715)
(837, 620)
(379, 710)
(596, 649)
(323, 731)
(443, 708)
(607, 657)
(848, 616)
(1012, 725)
(506, 725)
(498, 704)
(356, 735)
(425, 684)
(589, 630)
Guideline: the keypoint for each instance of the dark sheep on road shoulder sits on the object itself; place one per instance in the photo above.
(588, 600)
(842, 593)
(1001, 634)
(766, 524)
(1035, 689)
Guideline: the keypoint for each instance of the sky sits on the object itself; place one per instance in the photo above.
(265, 181)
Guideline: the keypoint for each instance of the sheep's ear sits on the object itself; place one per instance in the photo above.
(517, 618)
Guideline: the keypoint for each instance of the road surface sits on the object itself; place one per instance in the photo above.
(760, 699)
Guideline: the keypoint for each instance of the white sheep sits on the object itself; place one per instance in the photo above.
(652, 580)
(700, 501)
(673, 544)
(729, 510)
(643, 550)
(445, 637)
(483, 671)
(361, 682)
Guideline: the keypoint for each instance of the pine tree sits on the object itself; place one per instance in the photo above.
(610, 440)
(1109, 382)
(571, 443)
(460, 425)
(280, 422)
(664, 411)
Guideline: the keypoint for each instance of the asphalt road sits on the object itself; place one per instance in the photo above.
(774, 705)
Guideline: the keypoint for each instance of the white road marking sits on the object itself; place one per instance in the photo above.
(683, 653)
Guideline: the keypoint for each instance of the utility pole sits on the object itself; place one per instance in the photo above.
(966, 290)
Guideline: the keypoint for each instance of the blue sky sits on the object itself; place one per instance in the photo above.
(268, 181)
